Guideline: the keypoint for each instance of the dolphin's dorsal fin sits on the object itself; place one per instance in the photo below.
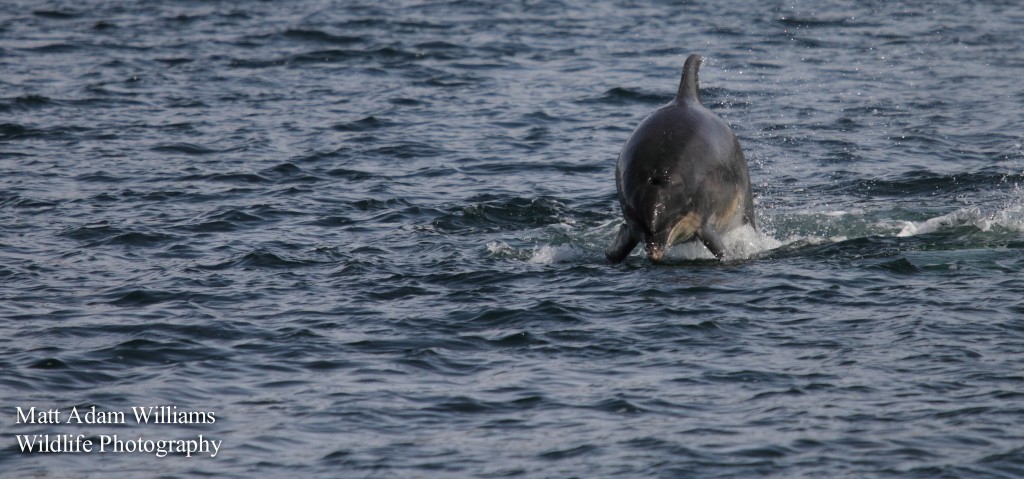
(689, 86)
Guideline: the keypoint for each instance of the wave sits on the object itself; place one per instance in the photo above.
(320, 36)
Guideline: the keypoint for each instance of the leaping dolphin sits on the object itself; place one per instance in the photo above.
(681, 175)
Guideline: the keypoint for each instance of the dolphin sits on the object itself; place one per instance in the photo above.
(681, 176)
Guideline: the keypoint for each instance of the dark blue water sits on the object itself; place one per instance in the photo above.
(368, 237)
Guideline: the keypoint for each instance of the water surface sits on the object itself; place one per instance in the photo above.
(369, 235)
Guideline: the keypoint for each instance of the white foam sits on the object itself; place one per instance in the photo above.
(499, 248)
(1011, 218)
(543, 254)
(548, 254)
(746, 242)
(741, 243)
(813, 240)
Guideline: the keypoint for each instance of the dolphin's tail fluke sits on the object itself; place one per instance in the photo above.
(688, 86)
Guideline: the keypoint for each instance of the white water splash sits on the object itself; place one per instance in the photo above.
(499, 248)
(543, 254)
(747, 243)
(1010, 218)
(548, 254)
(740, 244)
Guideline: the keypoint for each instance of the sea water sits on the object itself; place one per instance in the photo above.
(367, 238)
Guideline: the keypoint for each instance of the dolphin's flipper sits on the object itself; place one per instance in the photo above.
(712, 240)
(624, 244)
